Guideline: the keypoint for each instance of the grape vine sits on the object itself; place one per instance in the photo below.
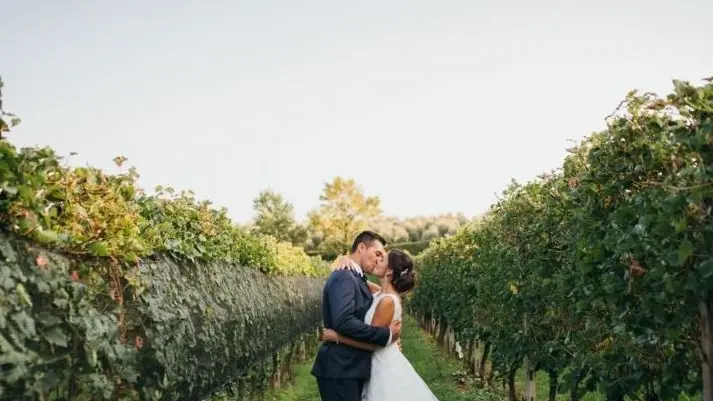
(109, 293)
(600, 272)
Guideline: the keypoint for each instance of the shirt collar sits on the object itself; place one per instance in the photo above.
(356, 267)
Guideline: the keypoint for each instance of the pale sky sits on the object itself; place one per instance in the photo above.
(431, 105)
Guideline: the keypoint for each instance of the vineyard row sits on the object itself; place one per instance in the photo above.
(599, 273)
(110, 293)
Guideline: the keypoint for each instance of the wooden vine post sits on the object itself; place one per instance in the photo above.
(706, 346)
(530, 387)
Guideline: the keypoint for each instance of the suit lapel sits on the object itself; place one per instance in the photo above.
(363, 287)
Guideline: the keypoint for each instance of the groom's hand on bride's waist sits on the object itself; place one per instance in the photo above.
(395, 328)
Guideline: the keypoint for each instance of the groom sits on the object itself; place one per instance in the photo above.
(340, 370)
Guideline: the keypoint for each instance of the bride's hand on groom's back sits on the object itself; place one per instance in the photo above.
(342, 262)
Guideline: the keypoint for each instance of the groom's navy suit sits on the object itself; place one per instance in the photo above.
(341, 370)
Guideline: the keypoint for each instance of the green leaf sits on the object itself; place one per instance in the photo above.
(47, 236)
(6, 282)
(25, 323)
(56, 336)
(48, 319)
(25, 193)
(22, 294)
(98, 248)
(685, 250)
(680, 225)
(706, 268)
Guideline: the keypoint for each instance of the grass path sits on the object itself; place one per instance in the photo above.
(439, 371)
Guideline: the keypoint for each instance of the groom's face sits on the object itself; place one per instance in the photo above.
(372, 256)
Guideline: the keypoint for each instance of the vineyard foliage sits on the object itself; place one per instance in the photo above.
(87, 212)
(600, 272)
(107, 292)
(194, 330)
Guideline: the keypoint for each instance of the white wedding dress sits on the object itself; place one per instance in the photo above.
(392, 376)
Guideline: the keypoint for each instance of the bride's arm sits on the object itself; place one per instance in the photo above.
(343, 262)
(382, 318)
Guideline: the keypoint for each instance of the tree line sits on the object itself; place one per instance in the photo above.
(342, 212)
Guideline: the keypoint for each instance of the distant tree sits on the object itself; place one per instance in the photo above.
(419, 228)
(399, 234)
(7, 120)
(314, 240)
(299, 235)
(430, 233)
(461, 218)
(275, 216)
(344, 212)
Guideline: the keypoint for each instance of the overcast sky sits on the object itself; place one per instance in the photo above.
(431, 105)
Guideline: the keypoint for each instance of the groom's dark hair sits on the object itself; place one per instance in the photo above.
(366, 238)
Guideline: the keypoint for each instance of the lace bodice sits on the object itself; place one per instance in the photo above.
(377, 298)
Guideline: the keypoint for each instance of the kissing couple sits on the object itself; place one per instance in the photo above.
(359, 358)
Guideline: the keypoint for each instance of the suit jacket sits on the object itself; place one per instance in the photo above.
(345, 301)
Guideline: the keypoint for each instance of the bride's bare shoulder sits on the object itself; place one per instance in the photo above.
(393, 298)
(385, 304)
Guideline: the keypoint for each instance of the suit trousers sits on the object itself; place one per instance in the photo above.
(340, 389)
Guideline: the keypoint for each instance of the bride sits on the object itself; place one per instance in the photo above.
(392, 376)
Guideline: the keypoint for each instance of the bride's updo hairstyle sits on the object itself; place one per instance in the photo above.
(403, 277)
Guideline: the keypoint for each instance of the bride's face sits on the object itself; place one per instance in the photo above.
(381, 267)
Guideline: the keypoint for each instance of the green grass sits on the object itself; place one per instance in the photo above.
(304, 387)
(443, 374)
(542, 385)
(542, 388)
